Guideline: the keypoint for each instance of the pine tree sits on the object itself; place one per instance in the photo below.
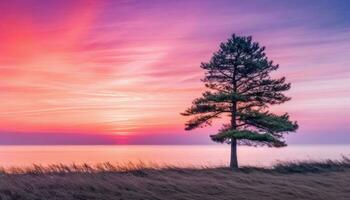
(240, 86)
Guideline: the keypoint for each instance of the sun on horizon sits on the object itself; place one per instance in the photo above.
(122, 71)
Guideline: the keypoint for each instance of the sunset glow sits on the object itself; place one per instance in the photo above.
(120, 72)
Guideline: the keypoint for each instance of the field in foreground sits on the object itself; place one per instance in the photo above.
(306, 180)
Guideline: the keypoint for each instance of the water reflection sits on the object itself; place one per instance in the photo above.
(180, 155)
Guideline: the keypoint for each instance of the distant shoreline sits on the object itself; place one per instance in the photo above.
(206, 144)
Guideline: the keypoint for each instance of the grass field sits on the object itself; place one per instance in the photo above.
(297, 180)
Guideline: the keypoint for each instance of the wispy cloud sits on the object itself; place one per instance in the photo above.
(129, 67)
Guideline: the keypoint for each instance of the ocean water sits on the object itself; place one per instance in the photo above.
(178, 155)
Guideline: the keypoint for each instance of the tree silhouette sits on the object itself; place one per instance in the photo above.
(240, 86)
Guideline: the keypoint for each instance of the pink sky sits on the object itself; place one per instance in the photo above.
(120, 72)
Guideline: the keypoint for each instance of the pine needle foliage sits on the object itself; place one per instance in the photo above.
(239, 85)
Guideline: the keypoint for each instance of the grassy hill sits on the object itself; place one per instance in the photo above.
(298, 180)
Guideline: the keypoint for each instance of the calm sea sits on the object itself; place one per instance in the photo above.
(180, 155)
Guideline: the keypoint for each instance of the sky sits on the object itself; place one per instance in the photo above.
(120, 72)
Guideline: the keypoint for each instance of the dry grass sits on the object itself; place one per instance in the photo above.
(297, 180)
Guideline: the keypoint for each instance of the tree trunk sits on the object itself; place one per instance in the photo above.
(233, 161)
